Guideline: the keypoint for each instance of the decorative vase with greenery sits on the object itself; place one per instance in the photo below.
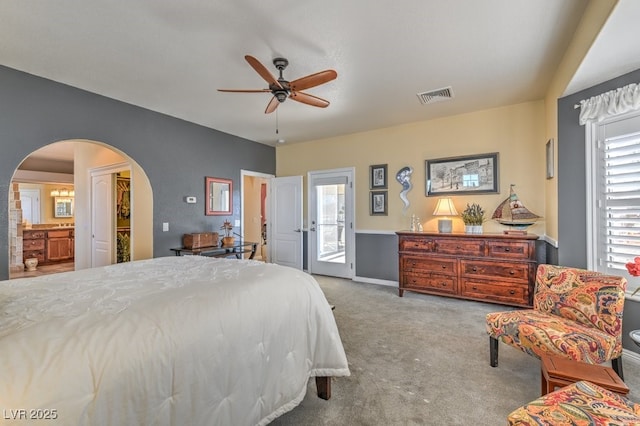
(228, 238)
(473, 217)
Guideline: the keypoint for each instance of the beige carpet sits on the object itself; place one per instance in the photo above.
(421, 360)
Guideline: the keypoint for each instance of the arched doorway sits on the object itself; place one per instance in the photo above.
(85, 155)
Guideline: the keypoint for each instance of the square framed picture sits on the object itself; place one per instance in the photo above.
(378, 203)
(378, 176)
(474, 174)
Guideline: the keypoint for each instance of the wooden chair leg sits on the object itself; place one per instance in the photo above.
(493, 351)
(616, 364)
(323, 386)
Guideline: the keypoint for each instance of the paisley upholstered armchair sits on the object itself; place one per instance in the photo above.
(577, 314)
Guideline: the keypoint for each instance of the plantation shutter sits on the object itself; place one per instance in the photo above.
(618, 196)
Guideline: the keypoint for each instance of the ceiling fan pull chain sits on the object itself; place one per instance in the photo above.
(276, 122)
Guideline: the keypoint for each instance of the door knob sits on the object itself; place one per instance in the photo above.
(297, 230)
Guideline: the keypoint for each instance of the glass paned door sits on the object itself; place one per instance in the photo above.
(330, 223)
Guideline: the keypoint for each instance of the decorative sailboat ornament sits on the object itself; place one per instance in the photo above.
(512, 212)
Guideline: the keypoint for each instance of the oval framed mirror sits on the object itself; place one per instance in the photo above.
(218, 196)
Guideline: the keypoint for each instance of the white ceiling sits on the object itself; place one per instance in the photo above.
(171, 56)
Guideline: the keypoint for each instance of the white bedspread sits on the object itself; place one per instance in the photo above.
(167, 341)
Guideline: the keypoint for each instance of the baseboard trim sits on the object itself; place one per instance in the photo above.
(635, 356)
(376, 281)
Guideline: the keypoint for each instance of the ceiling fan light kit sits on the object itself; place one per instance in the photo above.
(282, 89)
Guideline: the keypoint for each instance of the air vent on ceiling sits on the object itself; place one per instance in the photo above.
(435, 95)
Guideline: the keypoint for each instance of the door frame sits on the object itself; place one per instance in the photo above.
(266, 176)
(349, 219)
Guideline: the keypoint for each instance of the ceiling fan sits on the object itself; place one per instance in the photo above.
(281, 88)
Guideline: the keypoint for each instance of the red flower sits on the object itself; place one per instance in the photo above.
(634, 267)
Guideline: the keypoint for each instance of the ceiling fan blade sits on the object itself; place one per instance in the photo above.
(264, 72)
(272, 105)
(244, 91)
(313, 80)
(308, 99)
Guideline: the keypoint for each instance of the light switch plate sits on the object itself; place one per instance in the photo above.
(165, 226)
(190, 200)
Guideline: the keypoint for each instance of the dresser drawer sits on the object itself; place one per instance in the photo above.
(416, 244)
(509, 249)
(502, 292)
(32, 235)
(33, 244)
(484, 269)
(460, 247)
(39, 254)
(429, 265)
(65, 233)
(427, 282)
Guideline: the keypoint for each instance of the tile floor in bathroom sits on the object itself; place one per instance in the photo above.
(44, 270)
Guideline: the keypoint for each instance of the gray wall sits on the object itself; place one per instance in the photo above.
(176, 155)
(572, 216)
(377, 256)
(572, 219)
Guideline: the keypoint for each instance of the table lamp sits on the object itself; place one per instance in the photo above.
(445, 208)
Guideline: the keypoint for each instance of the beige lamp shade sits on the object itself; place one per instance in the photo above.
(445, 208)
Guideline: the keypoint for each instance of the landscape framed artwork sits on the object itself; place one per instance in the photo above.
(473, 174)
(378, 176)
(378, 203)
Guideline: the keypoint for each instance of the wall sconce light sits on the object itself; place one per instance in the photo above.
(55, 193)
(72, 193)
(445, 208)
(64, 192)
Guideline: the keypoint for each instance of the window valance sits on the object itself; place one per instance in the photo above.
(609, 104)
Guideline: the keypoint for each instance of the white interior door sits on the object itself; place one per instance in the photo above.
(102, 223)
(285, 235)
(331, 231)
(30, 202)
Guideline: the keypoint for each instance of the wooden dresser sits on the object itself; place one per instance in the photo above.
(49, 245)
(495, 268)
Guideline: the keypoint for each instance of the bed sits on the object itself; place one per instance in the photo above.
(185, 340)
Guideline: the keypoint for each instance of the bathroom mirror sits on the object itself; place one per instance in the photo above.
(218, 196)
(63, 206)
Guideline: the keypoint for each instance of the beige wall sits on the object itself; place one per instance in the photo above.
(90, 155)
(47, 208)
(516, 132)
(46, 201)
(590, 25)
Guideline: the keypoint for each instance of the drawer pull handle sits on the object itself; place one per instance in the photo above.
(512, 272)
(512, 292)
(443, 284)
(507, 249)
(458, 247)
(474, 269)
(474, 288)
(444, 266)
(413, 263)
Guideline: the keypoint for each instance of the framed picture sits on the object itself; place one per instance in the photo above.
(549, 155)
(474, 174)
(378, 176)
(378, 203)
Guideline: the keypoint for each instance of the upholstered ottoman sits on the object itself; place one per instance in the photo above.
(581, 403)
